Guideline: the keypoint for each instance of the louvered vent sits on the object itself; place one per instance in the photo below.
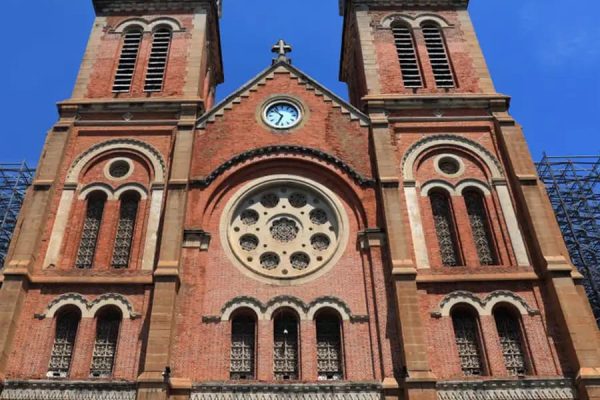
(158, 61)
(405, 46)
(438, 56)
(129, 55)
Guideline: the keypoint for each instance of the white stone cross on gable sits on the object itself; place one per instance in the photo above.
(281, 48)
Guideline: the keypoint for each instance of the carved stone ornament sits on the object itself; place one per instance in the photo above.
(50, 390)
(288, 392)
(526, 389)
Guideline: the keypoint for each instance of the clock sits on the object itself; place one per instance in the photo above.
(282, 114)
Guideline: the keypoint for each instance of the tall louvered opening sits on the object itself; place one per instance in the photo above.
(127, 61)
(155, 76)
(407, 55)
(438, 56)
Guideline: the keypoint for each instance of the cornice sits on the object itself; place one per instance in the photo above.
(491, 102)
(103, 7)
(455, 4)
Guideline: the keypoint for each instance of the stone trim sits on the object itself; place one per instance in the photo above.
(284, 149)
(455, 190)
(149, 25)
(434, 141)
(338, 391)
(123, 6)
(482, 306)
(453, 4)
(306, 312)
(523, 389)
(74, 390)
(89, 308)
(414, 23)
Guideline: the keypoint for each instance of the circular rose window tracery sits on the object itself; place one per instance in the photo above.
(284, 228)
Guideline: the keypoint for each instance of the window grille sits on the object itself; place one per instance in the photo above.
(125, 232)
(64, 341)
(329, 349)
(155, 75)
(105, 347)
(242, 348)
(467, 341)
(438, 56)
(129, 55)
(444, 227)
(480, 227)
(285, 352)
(407, 55)
(91, 229)
(511, 341)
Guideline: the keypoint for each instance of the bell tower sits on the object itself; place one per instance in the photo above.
(465, 214)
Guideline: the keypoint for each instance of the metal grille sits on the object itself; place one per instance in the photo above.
(89, 236)
(467, 341)
(438, 56)
(480, 228)
(285, 352)
(157, 65)
(125, 233)
(444, 228)
(242, 349)
(409, 64)
(509, 332)
(105, 346)
(127, 61)
(329, 349)
(62, 351)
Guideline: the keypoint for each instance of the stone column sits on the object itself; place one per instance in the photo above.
(550, 257)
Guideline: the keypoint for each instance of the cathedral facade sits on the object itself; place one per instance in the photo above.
(286, 243)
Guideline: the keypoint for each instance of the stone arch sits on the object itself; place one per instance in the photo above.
(473, 184)
(437, 184)
(506, 297)
(96, 187)
(331, 303)
(281, 302)
(392, 19)
(457, 298)
(136, 146)
(68, 299)
(431, 142)
(131, 187)
(173, 24)
(485, 306)
(130, 23)
(432, 18)
(115, 300)
(414, 23)
(240, 303)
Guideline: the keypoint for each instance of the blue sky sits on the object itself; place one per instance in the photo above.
(543, 53)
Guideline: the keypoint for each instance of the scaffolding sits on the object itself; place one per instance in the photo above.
(573, 184)
(14, 181)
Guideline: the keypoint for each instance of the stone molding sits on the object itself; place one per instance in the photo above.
(149, 25)
(339, 391)
(455, 190)
(52, 390)
(116, 6)
(414, 23)
(89, 308)
(431, 142)
(454, 4)
(305, 311)
(483, 306)
(523, 389)
(270, 151)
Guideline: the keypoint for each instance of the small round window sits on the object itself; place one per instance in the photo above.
(449, 165)
(284, 228)
(119, 169)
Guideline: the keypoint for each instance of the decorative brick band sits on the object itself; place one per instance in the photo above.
(526, 389)
(49, 390)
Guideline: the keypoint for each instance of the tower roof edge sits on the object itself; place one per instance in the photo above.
(406, 3)
(115, 6)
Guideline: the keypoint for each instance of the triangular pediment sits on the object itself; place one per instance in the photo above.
(310, 84)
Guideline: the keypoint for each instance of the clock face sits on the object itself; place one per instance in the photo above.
(282, 115)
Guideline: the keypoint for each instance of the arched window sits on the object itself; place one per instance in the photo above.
(407, 55)
(91, 229)
(155, 75)
(445, 228)
(127, 61)
(438, 55)
(125, 230)
(243, 339)
(329, 347)
(67, 323)
(478, 217)
(466, 332)
(511, 340)
(105, 346)
(285, 351)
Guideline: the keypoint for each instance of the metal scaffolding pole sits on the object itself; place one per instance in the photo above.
(14, 181)
(573, 184)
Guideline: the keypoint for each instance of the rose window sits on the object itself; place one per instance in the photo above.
(285, 229)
